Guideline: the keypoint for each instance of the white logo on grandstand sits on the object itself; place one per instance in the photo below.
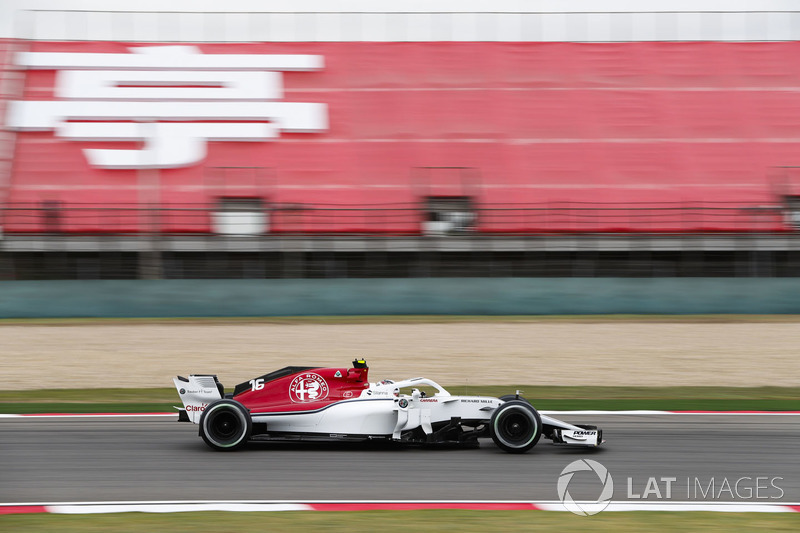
(584, 508)
(173, 99)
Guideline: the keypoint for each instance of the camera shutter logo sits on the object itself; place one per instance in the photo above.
(585, 508)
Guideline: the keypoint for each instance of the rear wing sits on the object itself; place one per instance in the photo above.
(197, 392)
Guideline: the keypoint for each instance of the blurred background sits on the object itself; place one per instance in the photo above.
(440, 139)
(368, 158)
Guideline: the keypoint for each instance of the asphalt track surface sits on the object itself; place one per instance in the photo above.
(146, 459)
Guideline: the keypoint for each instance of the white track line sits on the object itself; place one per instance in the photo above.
(331, 505)
(714, 507)
(176, 508)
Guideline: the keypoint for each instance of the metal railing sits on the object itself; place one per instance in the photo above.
(394, 219)
(78, 241)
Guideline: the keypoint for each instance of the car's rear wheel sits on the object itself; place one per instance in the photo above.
(515, 426)
(226, 425)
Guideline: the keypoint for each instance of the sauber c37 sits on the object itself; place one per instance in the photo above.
(340, 404)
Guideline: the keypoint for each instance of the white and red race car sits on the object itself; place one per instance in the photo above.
(340, 404)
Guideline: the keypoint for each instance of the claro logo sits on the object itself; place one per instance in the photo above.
(172, 99)
(193, 408)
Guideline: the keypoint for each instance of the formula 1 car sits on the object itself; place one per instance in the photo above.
(340, 404)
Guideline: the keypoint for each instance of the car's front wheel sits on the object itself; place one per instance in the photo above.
(225, 425)
(515, 426)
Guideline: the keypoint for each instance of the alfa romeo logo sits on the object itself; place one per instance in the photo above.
(308, 387)
(585, 508)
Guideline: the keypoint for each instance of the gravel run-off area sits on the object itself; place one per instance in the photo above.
(580, 352)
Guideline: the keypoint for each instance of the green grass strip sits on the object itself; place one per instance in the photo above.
(543, 397)
(428, 520)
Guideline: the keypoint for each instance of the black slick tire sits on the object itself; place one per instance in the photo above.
(515, 426)
(226, 425)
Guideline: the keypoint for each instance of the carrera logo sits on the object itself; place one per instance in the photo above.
(196, 408)
(172, 99)
(308, 387)
(428, 400)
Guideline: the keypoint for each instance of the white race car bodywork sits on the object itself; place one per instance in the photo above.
(381, 412)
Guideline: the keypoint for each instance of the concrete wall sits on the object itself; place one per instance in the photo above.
(458, 296)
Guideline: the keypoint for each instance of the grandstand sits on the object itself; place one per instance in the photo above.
(292, 139)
